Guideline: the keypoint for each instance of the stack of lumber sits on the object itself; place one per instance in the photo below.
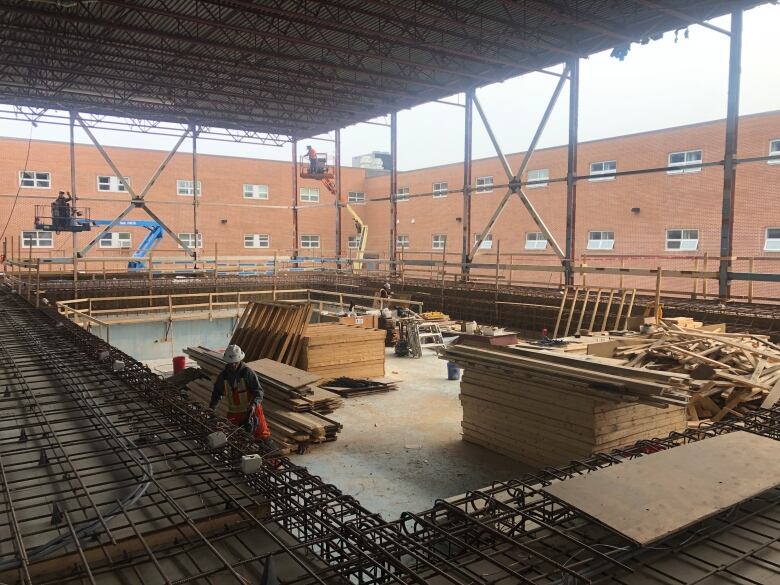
(336, 349)
(348, 387)
(729, 373)
(272, 330)
(548, 408)
(294, 406)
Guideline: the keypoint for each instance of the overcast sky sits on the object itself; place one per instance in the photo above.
(662, 84)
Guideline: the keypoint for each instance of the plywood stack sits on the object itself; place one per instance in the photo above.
(293, 405)
(272, 330)
(543, 408)
(335, 349)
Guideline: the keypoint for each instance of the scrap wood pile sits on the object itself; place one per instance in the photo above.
(272, 330)
(547, 408)
(294, 405)
(727, 373)
(336, 349)
(348, 387)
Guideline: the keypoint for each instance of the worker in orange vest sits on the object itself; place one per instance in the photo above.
(241, 387)
(312, 154)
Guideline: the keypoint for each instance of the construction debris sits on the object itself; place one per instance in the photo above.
(348, 387)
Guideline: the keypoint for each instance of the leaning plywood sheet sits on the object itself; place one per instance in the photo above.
(654, 496)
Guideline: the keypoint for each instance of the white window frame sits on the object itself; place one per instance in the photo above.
(538, 175)
(353, 242)
(440, 189)
(40, 240)
(257, 241)
(37, 182)
(535, 243)
(402, 194)
(256, 191)
(116, 241)
(772, 244)
(401, 241)
(309, 194)
(309, 245)
(774, 150)
(356, 197)
(187, 238)
(686, 166)
(687, 244)
(603, 174)
(115, 185)
(484, 184)
(487, 243)
(184, 188)
(438, 241)
(601, 243)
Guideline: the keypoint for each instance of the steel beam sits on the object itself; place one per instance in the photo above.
(72, 156)
(729, 168)
(337, 203)
(393, 188)
(571, 181)
(467, 156)
(294, 197)
(195, 196)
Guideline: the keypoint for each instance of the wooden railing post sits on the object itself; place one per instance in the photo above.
(750, 282)
(38, 282)
(658, 296)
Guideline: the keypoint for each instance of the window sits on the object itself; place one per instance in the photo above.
(439, 241)
(189, 240)
(112, 184)
(401, 242)
(402, 194)
(535, 241)
(256, 241)
(353, 242)
(440, 189)
(682, 240)
(772, 242)
(774, 150)
(487, 243)
(356, 197)
(484, 184)
(607, 168)
(115, 240)
(37, 240)
(35, 179)
(310, 194)
(542, 175)
(601, 240)
(252, 191)
(185, 188)
(688, 161)
(310, 241)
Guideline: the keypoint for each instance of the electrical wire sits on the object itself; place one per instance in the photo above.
(19, 188)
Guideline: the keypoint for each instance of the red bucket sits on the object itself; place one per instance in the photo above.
(179, 363)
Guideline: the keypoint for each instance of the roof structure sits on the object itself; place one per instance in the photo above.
(299, 68)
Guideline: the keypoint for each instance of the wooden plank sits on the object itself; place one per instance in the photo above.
(649, 498)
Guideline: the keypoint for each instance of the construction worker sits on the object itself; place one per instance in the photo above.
(385, 292)
(312, 154)
(242, 389)
(60, 211)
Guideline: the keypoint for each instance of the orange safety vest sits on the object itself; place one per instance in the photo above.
(238, 396)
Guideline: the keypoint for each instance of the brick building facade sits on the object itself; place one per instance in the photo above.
(245, 207)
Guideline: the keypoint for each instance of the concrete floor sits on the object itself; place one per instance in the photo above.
(402, 450)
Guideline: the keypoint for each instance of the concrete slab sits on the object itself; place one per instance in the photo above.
(402, 450)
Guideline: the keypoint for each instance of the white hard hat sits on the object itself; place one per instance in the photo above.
(387, 285)
(233, 354)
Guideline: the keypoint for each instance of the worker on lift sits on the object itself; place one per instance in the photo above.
(312, 154)
(245, 395)
(60, 211)
(385, 292)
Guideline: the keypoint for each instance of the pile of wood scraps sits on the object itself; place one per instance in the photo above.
(728, 373)
(272, 330)
(335, 349)
(348, 387)
(294, 405)
(548, 408)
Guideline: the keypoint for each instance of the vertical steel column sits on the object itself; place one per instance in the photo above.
(338, 194)
(195, 198)
(467, 150)
(72, 147)
(571, 181)
(729, 168)
(393, 188)
(294, 253)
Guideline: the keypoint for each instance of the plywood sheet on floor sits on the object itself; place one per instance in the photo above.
(654, 496)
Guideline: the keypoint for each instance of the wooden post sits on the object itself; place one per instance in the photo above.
(29, 271)
(403, 266)
(238, 304)
(658, 297)
(149, 272)
(211, 306)
(750, 282)
(622, 265)
(511, 269)
(75, 276)
(695, 280)
(216, 265)
(170, 307)
(38, 282)
(498, 260)
(443, 271)
(274, 275)
(704, 280)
